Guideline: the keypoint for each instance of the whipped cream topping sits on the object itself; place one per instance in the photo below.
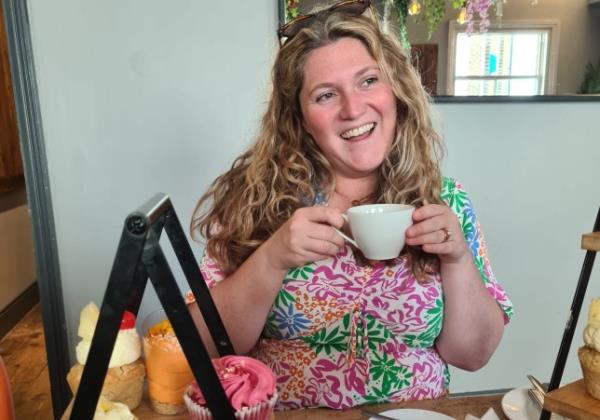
(246, 381)
(591, 333)
(127, 349)
(109, 410)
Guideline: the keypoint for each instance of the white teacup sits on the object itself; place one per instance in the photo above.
(378, 229)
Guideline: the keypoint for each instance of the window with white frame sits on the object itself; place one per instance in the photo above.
(511, 59)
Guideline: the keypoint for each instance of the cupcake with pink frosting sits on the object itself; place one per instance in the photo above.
(249, 385)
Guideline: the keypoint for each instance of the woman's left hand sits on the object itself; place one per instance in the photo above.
(437, 231)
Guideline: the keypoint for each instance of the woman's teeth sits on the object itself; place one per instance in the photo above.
(358, 131)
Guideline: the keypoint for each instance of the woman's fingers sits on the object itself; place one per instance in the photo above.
(439, 248)
(428, 211)
(321, 214)
(433, 229)
(436, 236)
(319, 226)
(308, 236)
(323, 232)
(322, 248)
(437, 231)
(428, 227)
(312, 250)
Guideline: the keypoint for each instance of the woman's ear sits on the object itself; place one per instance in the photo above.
(303, 123)
(305, 127)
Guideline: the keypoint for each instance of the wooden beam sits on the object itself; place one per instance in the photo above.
(591, 241)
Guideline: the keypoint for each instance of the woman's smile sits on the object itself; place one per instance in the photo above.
(359, 133)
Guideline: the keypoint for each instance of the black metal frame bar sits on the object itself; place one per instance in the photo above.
(139, 258)
(565, 345)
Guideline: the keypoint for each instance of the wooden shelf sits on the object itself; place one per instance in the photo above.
(573, 401)
(591, 241)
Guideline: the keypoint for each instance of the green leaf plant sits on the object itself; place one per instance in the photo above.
(591, 79)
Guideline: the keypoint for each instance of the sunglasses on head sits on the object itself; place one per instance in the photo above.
(351, 7)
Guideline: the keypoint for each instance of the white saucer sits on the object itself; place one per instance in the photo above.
(414, 414)
(517, 405)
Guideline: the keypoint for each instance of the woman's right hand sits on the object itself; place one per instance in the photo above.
(306, 237)
(245, 297)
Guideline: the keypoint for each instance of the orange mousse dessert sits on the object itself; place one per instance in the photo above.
(167, 369)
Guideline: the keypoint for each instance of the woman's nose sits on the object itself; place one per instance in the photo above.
(352, 106)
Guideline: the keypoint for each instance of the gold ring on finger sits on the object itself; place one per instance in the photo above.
(447, 235)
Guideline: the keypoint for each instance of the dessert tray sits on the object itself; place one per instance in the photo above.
(573, 401)
(140, 259)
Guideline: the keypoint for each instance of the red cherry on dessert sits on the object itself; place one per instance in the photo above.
(128, 321)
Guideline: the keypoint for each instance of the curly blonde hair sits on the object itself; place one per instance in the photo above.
(284, 168)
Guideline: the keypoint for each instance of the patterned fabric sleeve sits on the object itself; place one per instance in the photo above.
(210, 270)
(454, 195)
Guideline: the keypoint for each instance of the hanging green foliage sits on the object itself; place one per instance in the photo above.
(401, 7)
(291, 9)
(434, 14)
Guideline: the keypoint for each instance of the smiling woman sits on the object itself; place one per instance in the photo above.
(463, 57)
(348, 120)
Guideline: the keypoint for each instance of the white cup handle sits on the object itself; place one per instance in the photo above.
(343, 235)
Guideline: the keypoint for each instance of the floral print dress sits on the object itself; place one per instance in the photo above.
(340, 334)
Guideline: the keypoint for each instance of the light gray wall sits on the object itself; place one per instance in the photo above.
(140, 97)
(145, 96)
(533, 172)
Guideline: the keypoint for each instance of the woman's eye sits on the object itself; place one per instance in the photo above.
(324, 96)
(370, 81)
